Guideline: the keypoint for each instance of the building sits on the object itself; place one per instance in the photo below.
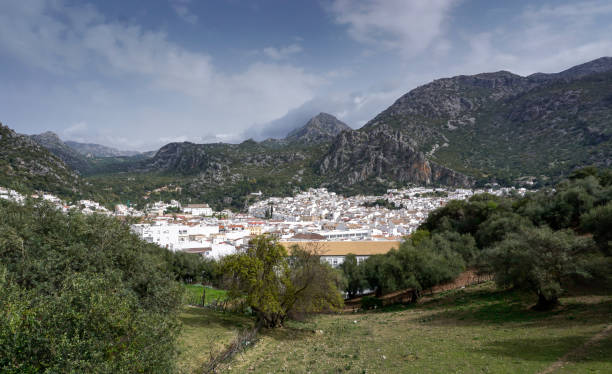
(198, 210)
(334, 252)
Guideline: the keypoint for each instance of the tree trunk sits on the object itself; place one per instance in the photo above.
(545, 303)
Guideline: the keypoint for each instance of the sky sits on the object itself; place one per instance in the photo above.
(136, 75)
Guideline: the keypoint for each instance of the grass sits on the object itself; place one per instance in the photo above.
(477, 329)
(205, 332)
(193, 294)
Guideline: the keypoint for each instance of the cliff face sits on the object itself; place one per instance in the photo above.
(383, 153)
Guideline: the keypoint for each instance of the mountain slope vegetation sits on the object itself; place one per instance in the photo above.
(26, 166)
(500, 126)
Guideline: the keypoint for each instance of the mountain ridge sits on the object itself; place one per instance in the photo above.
(98, 150)
(501, 126)
(319, 129)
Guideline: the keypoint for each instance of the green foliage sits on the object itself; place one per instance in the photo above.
(540, 260)
(599, 222)
(353, 273)
(465, 216)
(276, 286)
(530, 242)
(382, 203)
(369, 302)
(82, 294)
(421, 265)
(193, 268)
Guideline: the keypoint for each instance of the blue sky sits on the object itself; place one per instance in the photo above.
(139, 74)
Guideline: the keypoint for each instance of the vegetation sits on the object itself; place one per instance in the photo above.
(206, 332)
(544, 242)
(432, 194)
(382, 203)
(275, 286)
(354, 277)
(194, 293)
(478, 329)
(82, 294)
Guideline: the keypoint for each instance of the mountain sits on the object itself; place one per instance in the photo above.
(69, 156)
(97, 150)
(25, 166)
(356, 157)
(320, 129)
(490, 126)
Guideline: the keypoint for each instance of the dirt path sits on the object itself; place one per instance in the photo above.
(578, 352)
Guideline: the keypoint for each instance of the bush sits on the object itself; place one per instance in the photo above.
(369, 302)
(82, 294)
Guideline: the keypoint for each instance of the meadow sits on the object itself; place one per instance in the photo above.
(477, 329)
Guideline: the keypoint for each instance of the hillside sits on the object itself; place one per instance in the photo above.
(25, 166)
(55, 145)
(491, 125)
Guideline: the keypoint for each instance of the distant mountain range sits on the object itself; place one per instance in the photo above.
(459, 131)
(97, 150)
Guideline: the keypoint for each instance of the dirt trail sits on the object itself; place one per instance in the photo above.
(578, 352)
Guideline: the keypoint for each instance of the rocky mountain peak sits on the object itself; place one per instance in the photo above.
(319, 129)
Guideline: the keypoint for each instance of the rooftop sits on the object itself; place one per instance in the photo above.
(343, 248)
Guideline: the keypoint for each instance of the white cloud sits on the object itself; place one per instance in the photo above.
(408, 26)
(543, 39)
(78, 43)
(282, 52)
(181, 8)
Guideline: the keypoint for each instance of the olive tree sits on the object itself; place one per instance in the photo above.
(540, 260)
(276, 285)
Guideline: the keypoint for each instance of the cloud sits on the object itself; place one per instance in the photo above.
(181, 8)
(76, 130)
(407, 26)
(282, 52)
(355, 109)
(169, 83)
(548, 38)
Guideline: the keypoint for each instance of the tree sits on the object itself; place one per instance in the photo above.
(83, 294)
(497, 226)
(353, 273)
(418, 266)
(276, 285)
(598, 221)
(539, 260)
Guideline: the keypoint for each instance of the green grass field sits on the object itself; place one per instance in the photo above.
(205, 332)
(193, 294)
(475, 330)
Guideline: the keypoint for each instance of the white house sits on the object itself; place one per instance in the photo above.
(198, 210)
